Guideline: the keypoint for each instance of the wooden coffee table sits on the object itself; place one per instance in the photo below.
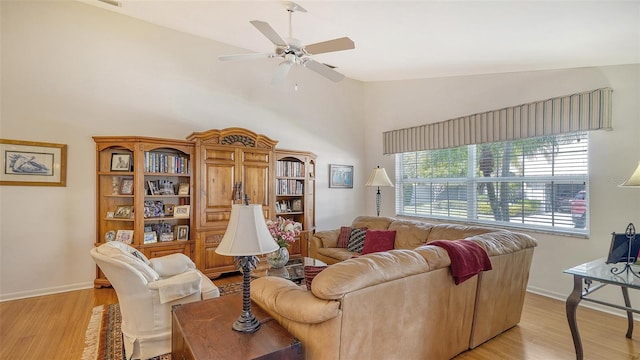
(202, 331)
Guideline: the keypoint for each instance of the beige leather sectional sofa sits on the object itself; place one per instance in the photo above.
(402, 303)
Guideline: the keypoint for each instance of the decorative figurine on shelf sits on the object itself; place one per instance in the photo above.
(284, 232)
(115, 184)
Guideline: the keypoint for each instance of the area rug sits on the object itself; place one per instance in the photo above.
(103, 338)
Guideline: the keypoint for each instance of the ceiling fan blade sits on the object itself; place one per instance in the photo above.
(281, 72)
(323, 70)
(343, 43)
(239, 57)
(268, 31)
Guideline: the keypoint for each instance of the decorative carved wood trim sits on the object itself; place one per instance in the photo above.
(233, 137)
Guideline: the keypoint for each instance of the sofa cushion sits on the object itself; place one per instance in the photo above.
(372, 222)
(378, 240)
(310, 272)
(356, 240)
(454, 231)
(343, 238)
(410, 234)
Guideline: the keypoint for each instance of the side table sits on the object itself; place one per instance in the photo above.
(202, 331)
(583, 277)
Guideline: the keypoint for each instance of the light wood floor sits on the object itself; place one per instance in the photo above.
(53, 327)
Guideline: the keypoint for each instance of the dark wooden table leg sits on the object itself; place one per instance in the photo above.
(627, 303)
(572, 305)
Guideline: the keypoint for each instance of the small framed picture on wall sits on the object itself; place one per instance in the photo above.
(341, 176)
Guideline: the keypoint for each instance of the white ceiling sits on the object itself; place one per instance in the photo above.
(398, 40)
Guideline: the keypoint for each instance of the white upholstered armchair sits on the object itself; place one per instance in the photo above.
(146, 291)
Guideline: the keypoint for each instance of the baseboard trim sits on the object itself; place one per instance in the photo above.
(587, 304)
(47, 291)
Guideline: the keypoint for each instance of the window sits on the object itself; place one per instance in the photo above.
(536, 183)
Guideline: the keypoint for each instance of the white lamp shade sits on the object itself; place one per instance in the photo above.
(379, 178)
(247, 233)
(634, 180)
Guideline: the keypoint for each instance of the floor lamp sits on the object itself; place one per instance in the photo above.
(247, 235)
(630, 233)
(379, 178)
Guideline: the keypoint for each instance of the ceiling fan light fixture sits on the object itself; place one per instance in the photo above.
(293, 51)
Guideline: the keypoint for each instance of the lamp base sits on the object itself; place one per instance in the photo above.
(246, 323)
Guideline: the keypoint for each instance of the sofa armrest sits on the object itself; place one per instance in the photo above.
(291, 301)
(323, 239)
(171, 265)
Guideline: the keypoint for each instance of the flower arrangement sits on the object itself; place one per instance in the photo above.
(284, 231)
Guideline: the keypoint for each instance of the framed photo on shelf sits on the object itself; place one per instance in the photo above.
(153, 189)
(123, 212)
(183, 189)
(182, 232)
(296, 205)
(341, 176)
(28, 163)
(181, 211)
(121, 162)
(166, 237)
(168, 209)
(619, 249)
(126, 187)
(125, 236)
(150, 237)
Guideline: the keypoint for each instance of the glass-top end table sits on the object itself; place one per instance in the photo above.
(294, 270)
(605, 274)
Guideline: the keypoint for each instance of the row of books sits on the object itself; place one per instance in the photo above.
(289, 187)
(158, 162)
(289, 168)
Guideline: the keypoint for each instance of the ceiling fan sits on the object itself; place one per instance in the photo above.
(293, 51)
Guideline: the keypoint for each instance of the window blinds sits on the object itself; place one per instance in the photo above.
(589, 110)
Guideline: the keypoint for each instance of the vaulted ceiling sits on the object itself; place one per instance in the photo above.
(398, 40)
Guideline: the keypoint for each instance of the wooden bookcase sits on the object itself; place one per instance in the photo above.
(140, 182)
(215, 169)
(295, 192)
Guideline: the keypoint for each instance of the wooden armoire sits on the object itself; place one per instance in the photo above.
(229, 164)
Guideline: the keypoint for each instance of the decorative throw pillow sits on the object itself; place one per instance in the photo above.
(310, 272)
(141, 256)
(356, 239)
(343, 238)
(378, 240)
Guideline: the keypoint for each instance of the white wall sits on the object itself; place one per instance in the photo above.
(613, 154)
(71, 71)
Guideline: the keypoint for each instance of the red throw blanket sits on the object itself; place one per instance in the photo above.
(467, 258)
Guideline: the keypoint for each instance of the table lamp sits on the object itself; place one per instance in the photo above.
(247, 235)
(634, 180)
(379, 178)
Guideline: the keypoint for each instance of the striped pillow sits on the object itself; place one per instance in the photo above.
(310, 272)
(356, 240)
(343, 238)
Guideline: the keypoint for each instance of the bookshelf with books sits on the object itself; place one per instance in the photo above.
(144, 195)
(295, 192)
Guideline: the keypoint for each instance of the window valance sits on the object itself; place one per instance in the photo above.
(589, 110)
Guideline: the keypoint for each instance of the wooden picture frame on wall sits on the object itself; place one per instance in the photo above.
(341, 176)
(29, 163)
